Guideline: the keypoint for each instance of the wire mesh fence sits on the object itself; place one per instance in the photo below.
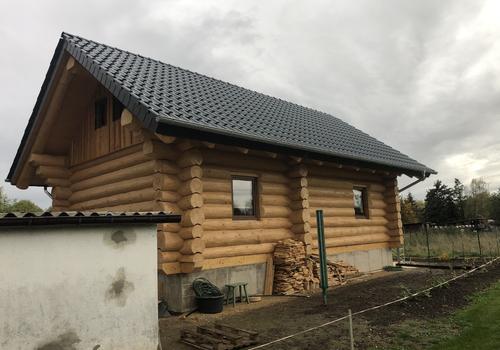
(444, 243)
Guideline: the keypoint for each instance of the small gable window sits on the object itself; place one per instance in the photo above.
(117, 109)
(244, 190)
(100, 112)
(360, 202)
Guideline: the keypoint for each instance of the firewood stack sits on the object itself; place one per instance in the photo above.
(295, 273)
(338, 271)
(291, 274)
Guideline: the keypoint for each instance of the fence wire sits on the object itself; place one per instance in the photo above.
(447, 243)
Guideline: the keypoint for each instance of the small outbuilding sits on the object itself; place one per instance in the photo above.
(79, 280)
(116, 131)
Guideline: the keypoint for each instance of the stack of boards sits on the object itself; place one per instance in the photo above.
(296, 273)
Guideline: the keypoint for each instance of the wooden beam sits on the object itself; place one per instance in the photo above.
(157, 150)
(44, 123)
(128, 121)
(165, 138)
(49, 160)
(208, 144)
(45, 171)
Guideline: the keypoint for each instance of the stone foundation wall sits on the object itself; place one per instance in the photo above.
(179, 294)
(366, 260)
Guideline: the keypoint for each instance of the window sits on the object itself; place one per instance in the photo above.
(100, 115)
(244, 197)
(360, 202)
(117, 109)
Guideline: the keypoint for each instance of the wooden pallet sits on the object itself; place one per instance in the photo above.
(218, 337)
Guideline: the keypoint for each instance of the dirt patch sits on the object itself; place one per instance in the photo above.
(275, 317)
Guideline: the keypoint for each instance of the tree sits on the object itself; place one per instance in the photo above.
(24, 205)
(439, 204)
(411, 210)
(459, 199)
(478, 199)
(4, 201)
(495, 206)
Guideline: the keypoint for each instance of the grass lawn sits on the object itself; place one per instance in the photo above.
(480, 323)
(476, 327)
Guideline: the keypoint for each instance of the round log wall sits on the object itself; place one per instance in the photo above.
(331, 190)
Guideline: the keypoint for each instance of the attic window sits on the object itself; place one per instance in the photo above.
(100, 114)
(117, 109)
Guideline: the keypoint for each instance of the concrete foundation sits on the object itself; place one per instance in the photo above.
(366, 260)
(179, 293)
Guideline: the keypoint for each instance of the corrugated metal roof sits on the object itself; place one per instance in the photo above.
(170, 99)
(13, 219)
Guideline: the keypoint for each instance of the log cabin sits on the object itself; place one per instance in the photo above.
(116, 131)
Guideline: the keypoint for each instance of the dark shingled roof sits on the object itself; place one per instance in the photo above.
(168, 99)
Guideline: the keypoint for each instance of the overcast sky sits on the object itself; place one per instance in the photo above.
(421, 76)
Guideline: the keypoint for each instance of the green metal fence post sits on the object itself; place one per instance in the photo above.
(322, 253)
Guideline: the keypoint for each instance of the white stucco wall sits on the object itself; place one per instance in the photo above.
(79, 288)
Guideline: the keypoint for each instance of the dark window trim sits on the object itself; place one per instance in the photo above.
(364, 198)
(255, 195)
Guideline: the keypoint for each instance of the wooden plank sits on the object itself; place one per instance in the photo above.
(251, 334)
(202, 341)
(233, 338)
(268, 283)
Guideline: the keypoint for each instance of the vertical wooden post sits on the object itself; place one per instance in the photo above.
(427, 242)
(479, 245)
(463, 246)
(498, 243)
(351, 331)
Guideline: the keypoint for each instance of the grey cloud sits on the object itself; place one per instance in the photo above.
(399, 70)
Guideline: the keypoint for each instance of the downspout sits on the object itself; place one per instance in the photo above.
(424, 176)
(47, 192)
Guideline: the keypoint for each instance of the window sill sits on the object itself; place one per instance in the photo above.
(245, 218)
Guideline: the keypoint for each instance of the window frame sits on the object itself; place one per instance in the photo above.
(255, 197)
(364, 202)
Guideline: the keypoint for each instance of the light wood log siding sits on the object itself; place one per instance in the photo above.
(331, 190)
(196, 182)
(120, 181)
(226, 238)
(90, 143)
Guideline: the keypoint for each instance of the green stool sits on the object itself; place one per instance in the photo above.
(231, 292)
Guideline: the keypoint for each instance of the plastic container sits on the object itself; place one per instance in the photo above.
(210, 304)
